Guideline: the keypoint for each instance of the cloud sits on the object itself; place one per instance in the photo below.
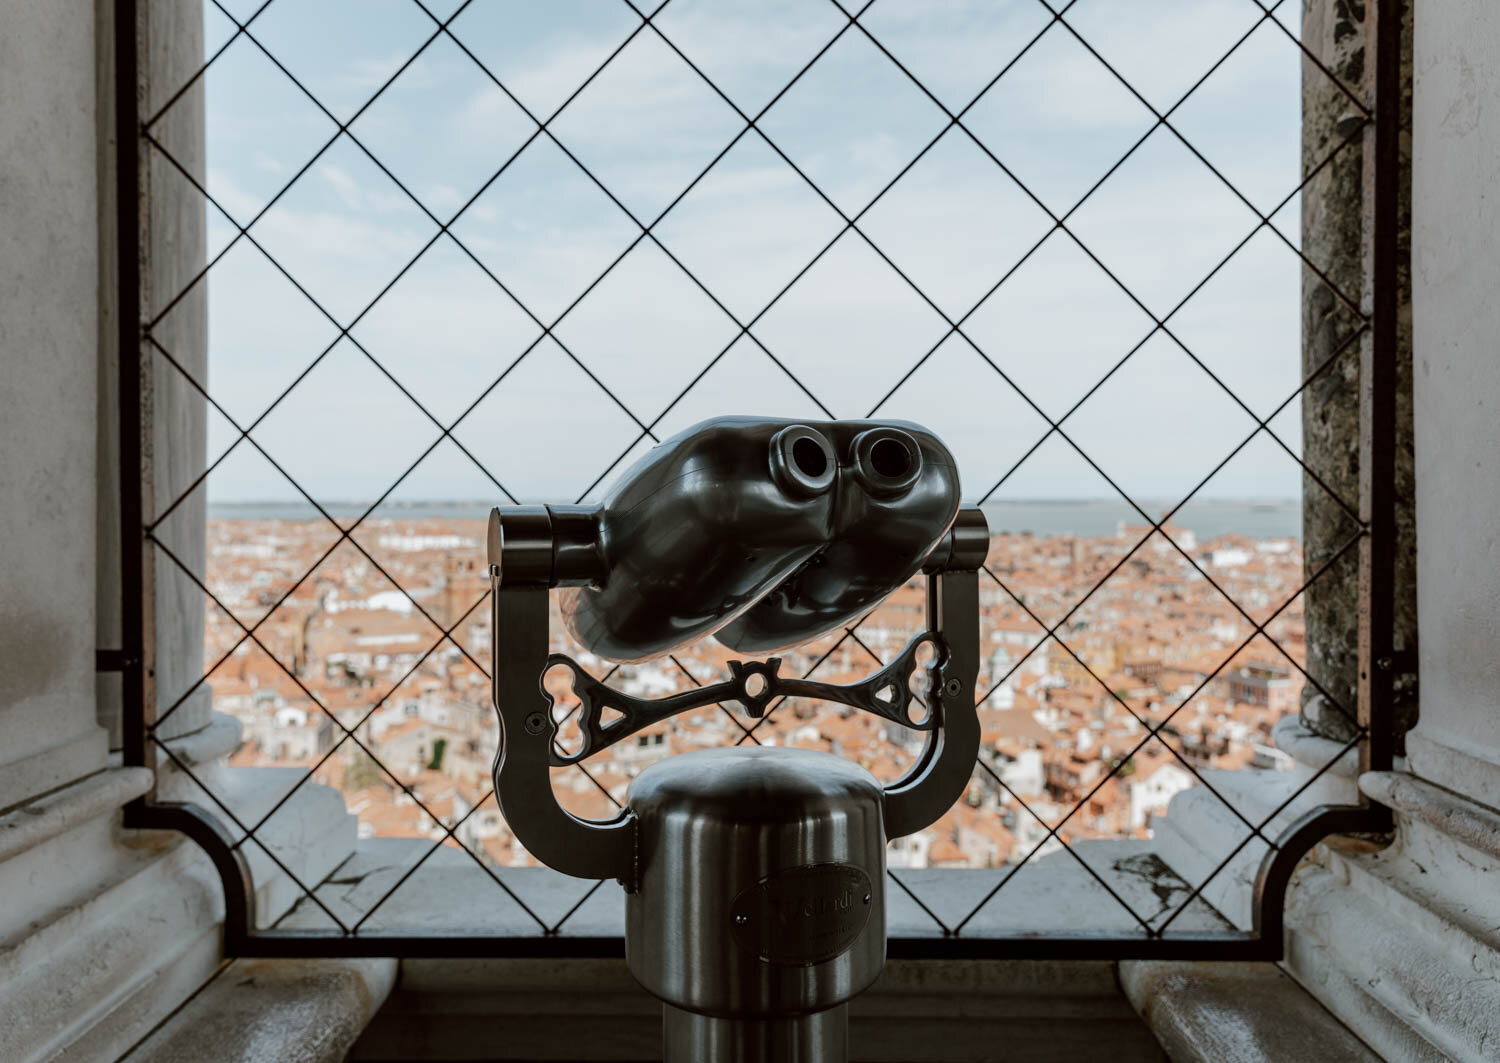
(849, 330)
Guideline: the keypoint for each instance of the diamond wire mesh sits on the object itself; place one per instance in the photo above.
(1056, 22)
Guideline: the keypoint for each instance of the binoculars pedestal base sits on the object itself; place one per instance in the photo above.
(760, 908)
(820, 1037)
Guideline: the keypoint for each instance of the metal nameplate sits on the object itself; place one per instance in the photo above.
(803, 915)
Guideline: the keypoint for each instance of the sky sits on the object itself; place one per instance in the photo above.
(844, 339)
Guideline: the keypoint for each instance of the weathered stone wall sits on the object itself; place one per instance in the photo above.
(1404, 613)
(1333, 237)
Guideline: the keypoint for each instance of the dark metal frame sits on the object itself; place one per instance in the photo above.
(1376, 540)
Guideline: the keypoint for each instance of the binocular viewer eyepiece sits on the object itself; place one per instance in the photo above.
(885, 461)
(763, 533)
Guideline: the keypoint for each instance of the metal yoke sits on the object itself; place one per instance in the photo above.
(531, 551)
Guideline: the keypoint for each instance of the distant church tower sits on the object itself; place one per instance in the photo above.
(464, 581)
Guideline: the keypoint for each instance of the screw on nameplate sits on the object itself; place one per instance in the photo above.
(803, 915)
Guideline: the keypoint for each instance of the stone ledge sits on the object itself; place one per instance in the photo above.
(217, 738)
(54, 767)
(1198, 830)
(1199, 833)
(1350, 994)
(1404, 941)
(1455, 769)
(1055, 893)
(592, 1009)
(1374, 954)
(1307, 747)
(46, 817)
(274, 1011)
(107, 930)
(1236, 1013)
(75, 976)
(312, 833)
(1463, 820)
(960, 1011)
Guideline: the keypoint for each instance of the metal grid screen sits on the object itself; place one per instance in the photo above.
(1060, 629)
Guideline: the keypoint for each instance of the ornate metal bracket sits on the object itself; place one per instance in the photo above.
(754, 684)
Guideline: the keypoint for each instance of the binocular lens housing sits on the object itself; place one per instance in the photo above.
(764, 533)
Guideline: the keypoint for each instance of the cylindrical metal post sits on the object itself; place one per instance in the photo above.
(761, 904)
(821, 1037)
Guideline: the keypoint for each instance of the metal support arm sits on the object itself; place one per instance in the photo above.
(526, 545)
(941, 774)
(523, 776)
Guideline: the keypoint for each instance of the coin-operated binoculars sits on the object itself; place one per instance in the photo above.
(754, 876)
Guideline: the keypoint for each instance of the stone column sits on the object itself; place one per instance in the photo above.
(49, 733)
(1457, 393)
(94, 928)
(174, 252)
(1333, 237)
